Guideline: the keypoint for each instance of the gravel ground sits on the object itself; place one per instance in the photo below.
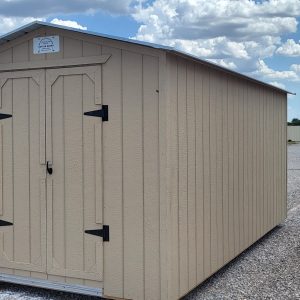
(270, 269)
(15, 292)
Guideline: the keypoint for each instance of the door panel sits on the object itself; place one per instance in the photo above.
(74, 190)
(22, 182)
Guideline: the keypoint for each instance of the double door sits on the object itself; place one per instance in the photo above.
(44, 217)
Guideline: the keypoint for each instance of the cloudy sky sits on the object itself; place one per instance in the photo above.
(260, 38)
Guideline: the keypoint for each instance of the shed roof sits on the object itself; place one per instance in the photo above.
(38, 24)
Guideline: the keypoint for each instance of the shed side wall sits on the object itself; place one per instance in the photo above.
(226, 168)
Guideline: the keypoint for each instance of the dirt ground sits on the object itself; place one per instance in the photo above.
(270, 269)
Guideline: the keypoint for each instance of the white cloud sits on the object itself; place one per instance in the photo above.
(278, 84)
(211, 48)
(224, 63)
(295, 68)
(266, 72)
(8, 24)
(38, 8)
(240, 32)
(292, 97)
(235, 34)
(68, 23)
(289, 48)
(239, 20)
(15, 13)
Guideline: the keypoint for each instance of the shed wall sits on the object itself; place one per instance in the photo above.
(133, 160)
(294, 133)
(226, 168)
(131, 176)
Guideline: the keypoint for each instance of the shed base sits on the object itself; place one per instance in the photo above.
(65, 287)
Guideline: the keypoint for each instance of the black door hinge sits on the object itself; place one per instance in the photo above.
(5, 116)
(100, 113)
(104, 232)
(5, 223)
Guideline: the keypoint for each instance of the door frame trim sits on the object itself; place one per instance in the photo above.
(58, 63)
(46, 284)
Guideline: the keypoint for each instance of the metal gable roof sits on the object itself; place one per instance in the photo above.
(38, 24)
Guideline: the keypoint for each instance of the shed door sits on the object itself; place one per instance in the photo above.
(74, 190)
(22, 171)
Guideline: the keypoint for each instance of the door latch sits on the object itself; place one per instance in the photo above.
(49, 169)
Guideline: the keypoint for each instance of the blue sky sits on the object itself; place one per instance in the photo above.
(258, 38)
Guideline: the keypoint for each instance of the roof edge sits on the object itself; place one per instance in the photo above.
(226, 70)
(38, 24)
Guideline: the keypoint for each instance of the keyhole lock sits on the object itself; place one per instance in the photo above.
(49, 169)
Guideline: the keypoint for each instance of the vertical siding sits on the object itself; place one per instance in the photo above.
(225, 171)
(256, 152)
(199, 180)
(219, 170)
(212, 136)
(1, 169)
(231, 205)
(164, 211)
(284, 150)
(240, 168)
(245, 155)
(182, 176)
(191, 177)
(151, 178)
(265, 142)
(263, 196)
(131, 175)
(132, 169)
(112, 170)
(236, 180)
(172, 177)
(206, 174)
(226, 163)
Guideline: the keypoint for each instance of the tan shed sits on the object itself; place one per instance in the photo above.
(130, 170)
(293, 133)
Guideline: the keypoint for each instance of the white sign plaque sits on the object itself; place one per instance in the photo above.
(46, 44)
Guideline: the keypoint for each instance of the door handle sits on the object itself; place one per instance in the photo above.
(49, 169)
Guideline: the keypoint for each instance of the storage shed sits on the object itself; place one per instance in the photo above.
(131, 170)
(294, 133)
